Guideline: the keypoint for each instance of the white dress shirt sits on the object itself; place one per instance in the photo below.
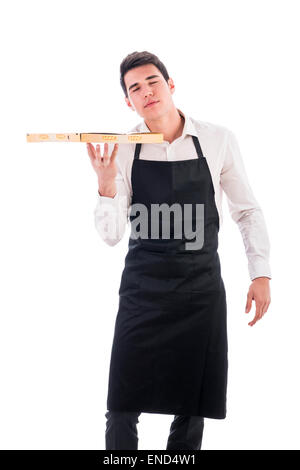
(221, 150)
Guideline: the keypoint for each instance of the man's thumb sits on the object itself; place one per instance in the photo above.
(248, 304)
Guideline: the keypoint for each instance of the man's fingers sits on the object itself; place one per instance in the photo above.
(249, 302)
(258, 292)
(114, 152)
(95, 154)
(95, 160)
(258, 313)
(266, 306)
(251, 323)
(98, 155)
(107, 159)
(90, 149)
(105, 155)
(98, 151)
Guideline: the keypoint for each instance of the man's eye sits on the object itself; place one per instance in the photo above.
(151, 83)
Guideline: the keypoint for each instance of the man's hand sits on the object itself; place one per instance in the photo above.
(105, 167)
(259, 291)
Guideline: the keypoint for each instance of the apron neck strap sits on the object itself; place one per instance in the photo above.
(195, 140)
(198, 146)
(137, 151)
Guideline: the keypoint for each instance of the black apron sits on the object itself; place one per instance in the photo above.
(169, 351)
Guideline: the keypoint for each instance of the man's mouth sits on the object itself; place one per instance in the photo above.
(151, 104)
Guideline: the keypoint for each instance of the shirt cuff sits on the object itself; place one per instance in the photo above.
(261, 269)
(107, 199)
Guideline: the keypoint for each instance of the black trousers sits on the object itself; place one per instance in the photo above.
(121, 431)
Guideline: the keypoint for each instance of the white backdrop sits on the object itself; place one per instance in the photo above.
(234, 63)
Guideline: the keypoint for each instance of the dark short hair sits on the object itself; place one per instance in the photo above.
(135, 59)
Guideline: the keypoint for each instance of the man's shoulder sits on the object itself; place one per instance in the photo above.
(209, 128)
(202, 127)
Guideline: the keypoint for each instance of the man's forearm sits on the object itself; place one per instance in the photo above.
(107, 189)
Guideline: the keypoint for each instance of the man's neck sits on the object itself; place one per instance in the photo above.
(170, 125)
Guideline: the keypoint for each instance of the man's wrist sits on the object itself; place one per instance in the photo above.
(109, 190)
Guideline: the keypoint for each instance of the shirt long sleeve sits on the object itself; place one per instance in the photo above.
(245, 210)
(111, 213)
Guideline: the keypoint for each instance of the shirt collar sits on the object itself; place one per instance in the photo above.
(188, 128)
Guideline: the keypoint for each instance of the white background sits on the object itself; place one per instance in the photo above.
(234, 63)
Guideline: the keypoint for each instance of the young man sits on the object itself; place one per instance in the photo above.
(169, 352)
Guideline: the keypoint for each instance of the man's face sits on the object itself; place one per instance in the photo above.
(144, 84)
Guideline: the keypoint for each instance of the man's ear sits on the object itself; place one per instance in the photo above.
(171, 85)
(129, 104)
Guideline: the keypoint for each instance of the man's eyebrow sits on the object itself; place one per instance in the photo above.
(147, 78)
